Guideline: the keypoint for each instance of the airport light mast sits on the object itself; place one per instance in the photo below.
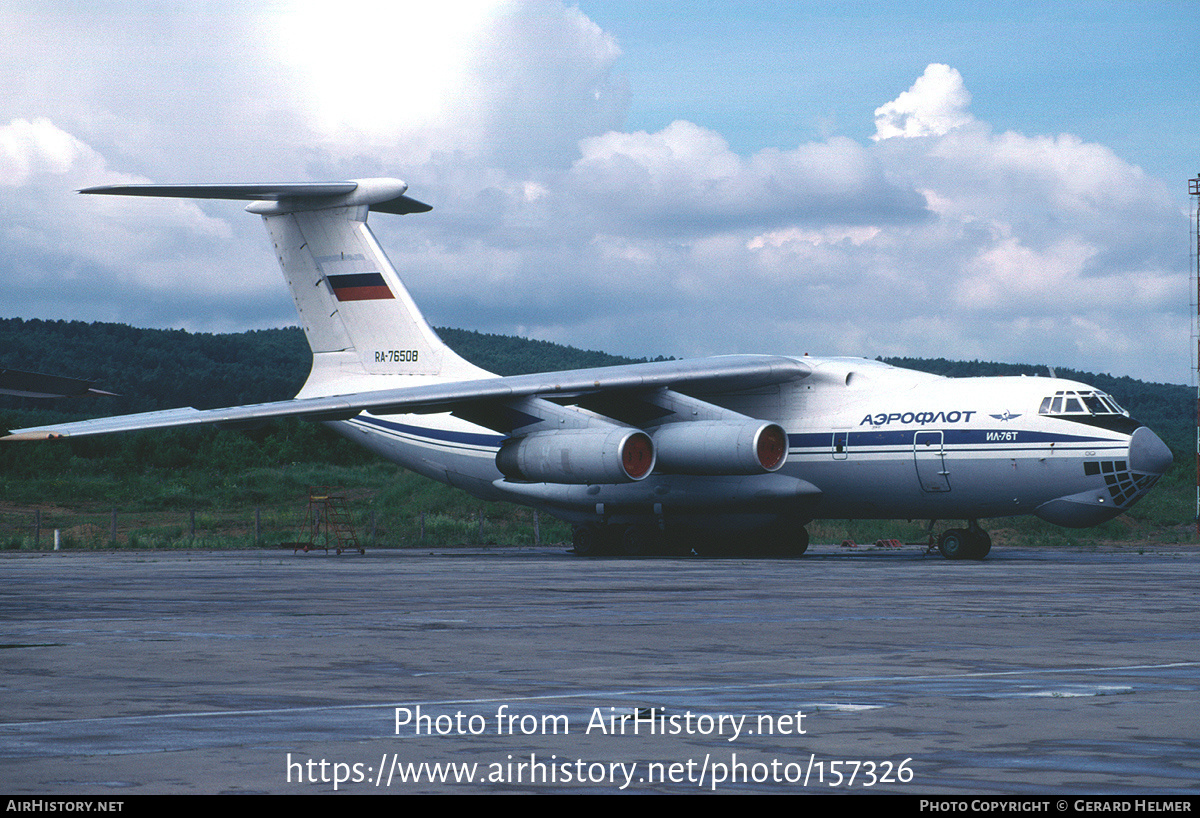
(1194, 192)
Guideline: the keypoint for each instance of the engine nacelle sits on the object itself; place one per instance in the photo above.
(606, 455)
(716, 447)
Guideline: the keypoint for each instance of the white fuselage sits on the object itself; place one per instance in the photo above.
(866, 440)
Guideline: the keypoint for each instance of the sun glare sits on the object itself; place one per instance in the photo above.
(381, 68)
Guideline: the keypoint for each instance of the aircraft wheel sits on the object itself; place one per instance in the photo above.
(981, 544)
(587, 540)
(799, 543)
(790, 543)
(677, 544)
(710, 545)
(785, 538)
(955, 544)
(641, 541)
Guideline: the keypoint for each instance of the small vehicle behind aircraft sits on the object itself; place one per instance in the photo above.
(666, 456)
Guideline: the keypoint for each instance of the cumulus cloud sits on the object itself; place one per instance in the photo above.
(686, 178)
(935, 105)
(517, 83)
(29, 147)
(64, 251)
(1043, 247)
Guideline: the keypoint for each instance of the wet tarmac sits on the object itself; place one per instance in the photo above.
(1038, 671)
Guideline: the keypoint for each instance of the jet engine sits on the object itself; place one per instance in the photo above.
(716, 447)
(614, 454)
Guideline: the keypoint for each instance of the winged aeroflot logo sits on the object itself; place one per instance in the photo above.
(1006, 416)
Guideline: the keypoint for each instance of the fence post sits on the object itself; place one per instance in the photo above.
(113, 538)
(37, 527)
(537, 529)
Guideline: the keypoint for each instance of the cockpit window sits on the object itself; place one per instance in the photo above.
(1080, 403)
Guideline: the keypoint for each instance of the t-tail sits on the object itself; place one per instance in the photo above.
(364, 329)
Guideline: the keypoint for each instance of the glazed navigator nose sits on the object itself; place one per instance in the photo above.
(1147, 453)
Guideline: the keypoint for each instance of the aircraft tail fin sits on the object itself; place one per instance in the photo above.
(362, 325)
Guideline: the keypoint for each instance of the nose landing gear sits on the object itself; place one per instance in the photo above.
(971, 543)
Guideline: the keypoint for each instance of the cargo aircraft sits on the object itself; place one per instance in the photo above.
(725, 454)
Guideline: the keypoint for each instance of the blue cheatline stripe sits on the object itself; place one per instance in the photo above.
(952, 437)
(467, 438)
(800, 440)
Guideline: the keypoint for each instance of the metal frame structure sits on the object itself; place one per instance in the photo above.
(328, 522)
(1194, 251)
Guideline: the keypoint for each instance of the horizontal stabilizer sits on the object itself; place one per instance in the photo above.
(383, 195)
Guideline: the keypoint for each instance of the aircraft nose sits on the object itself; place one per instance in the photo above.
(1147, 453)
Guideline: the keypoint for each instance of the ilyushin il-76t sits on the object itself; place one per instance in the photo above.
(726, 454)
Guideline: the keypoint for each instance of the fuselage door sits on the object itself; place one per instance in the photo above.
(930, 457)
(841, 445)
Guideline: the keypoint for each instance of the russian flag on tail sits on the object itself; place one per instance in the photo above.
(359, 287)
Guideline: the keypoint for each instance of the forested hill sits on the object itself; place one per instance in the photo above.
(508, 355)
(156, 369)
(152, 369)
(161, 369)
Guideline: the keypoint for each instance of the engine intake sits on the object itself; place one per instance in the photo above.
(607, 455)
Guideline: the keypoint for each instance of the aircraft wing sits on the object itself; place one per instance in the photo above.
(694, 377)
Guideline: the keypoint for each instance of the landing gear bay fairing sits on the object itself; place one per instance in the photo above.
(714, 454)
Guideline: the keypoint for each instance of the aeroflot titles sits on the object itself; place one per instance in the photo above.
(883, 419)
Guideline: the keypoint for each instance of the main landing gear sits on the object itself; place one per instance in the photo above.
(971, 543)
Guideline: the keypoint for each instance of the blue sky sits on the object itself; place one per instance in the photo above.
(1002, 181)
(776, 73)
